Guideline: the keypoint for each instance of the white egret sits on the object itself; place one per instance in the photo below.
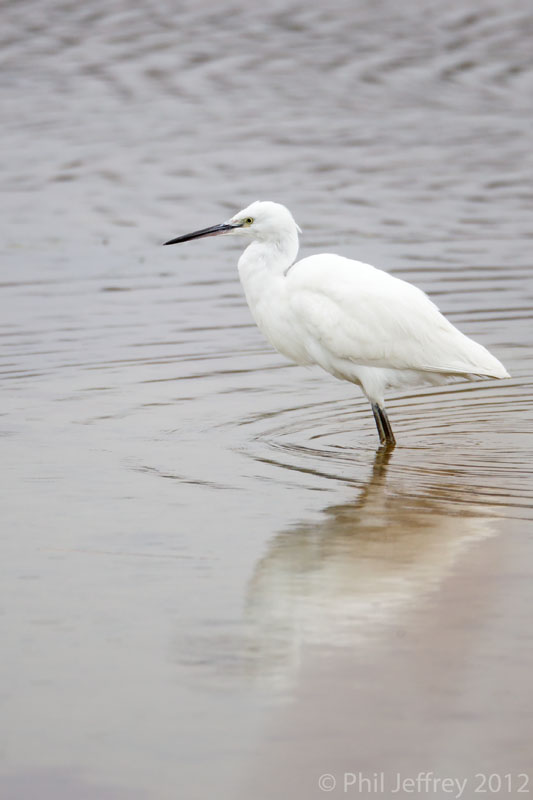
(355, 321)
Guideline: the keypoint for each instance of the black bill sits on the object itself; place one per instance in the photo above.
(214, 230)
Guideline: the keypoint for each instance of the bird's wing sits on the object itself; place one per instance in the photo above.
(358, 313)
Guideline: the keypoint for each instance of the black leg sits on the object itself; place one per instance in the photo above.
(386, 436)
(391, 441)
(379, 423)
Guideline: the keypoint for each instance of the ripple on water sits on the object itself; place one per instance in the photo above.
(458, 435)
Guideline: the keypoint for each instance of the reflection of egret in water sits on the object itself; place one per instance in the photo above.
(343, 580)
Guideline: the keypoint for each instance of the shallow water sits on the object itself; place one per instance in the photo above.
(213, 585)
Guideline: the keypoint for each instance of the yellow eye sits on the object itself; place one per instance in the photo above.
(248, 220)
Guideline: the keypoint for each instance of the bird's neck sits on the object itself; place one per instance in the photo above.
(264, 261)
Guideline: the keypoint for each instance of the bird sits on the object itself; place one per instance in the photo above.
(359, 323)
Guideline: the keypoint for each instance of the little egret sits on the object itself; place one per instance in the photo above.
(355, 321)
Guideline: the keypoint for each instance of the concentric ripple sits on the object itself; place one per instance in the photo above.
(464, 439)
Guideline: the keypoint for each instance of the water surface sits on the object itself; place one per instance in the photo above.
(212, 584)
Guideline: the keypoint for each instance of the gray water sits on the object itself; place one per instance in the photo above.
(212, 586)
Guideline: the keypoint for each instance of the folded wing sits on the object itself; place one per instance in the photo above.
(361, 314)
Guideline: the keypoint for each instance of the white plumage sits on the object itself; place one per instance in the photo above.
(355, 321)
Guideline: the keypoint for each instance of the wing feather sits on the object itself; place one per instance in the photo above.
(364, 315)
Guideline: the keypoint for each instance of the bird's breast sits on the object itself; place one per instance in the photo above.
(273, 316)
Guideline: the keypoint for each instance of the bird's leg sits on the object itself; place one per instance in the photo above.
(390, 441)
(386, 436)
(379, 423)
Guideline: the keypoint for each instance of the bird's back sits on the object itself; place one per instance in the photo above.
(364, 315)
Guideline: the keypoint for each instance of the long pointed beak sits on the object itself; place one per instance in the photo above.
(214, 230)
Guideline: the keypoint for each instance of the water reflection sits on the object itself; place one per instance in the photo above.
(359, 572)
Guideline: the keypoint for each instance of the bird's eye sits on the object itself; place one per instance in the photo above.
(248, 220)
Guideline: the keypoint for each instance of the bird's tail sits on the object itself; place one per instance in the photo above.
(474, 359)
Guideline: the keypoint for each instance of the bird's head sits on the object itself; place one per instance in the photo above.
(261, 220)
